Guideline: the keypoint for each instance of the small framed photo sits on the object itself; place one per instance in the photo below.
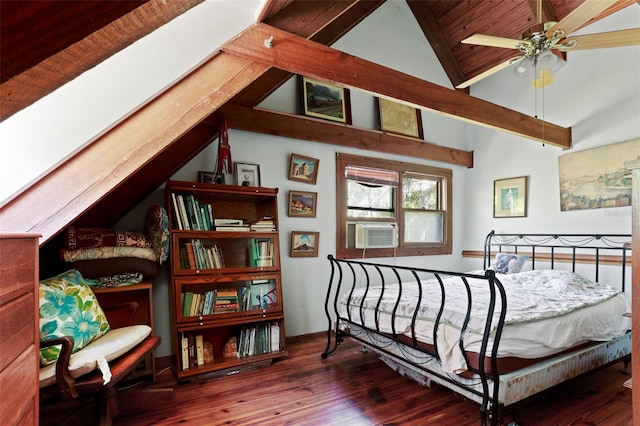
(510, 197)
(302, 204)
(247, 174)
(304, 244)
(326, 101)
(399, 118)
(206, 177)
(303, 169)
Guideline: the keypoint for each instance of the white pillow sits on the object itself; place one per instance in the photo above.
(508, 263)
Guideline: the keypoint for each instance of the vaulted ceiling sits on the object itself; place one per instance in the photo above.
(45, 45)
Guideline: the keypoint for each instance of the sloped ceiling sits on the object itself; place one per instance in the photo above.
(44, 45)
(74, 194)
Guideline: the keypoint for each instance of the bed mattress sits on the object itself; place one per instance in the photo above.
(548, 312)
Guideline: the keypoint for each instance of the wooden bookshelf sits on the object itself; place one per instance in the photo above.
(225, 284)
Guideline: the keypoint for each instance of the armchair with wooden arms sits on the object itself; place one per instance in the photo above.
(92, 372)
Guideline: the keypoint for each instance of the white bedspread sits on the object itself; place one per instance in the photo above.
(547, 311)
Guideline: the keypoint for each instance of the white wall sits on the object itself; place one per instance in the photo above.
(596, 94)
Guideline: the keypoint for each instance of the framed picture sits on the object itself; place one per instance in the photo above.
(247, 174)
(510, 197)
(304, 244)
(206, 177)
(326, 101)
(302, 204)
(595, 178)
(303, 169)
(399, 118)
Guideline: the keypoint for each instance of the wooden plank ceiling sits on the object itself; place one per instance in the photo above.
(31, 27)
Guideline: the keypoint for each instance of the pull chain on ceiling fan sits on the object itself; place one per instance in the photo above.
(539, 45)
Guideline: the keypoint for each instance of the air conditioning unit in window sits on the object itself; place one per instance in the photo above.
(376, 235)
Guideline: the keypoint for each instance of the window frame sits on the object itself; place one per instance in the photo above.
(404, 249)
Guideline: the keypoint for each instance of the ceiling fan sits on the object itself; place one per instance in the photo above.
(540, 45)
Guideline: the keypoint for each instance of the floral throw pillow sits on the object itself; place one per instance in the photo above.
(68, 307)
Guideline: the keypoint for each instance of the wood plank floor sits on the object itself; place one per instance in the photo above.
(355, 388)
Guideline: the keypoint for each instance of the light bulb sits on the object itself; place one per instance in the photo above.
(522, 67)
(547, 60)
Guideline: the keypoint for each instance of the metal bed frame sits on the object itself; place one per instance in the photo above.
(547, 249)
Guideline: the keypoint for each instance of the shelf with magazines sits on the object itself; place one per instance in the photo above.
(226, 289)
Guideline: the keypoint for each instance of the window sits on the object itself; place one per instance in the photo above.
(390, 208)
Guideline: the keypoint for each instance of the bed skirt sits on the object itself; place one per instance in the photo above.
(512, 387)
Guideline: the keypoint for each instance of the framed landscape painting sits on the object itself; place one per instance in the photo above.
(302, 204)
(326, 101)
(596, 178)
(399, 118)
(303, 169)
(304, 244)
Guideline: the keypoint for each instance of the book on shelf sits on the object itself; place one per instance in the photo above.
(227, 222)
(233, 228)
(258, 339)
(199, 349)
(263, 225)
(261, 252)
(184, 346)
(226, 301)
(191, 214)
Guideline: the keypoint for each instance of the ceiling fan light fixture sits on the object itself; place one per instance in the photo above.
(522, 67)
(547, 60)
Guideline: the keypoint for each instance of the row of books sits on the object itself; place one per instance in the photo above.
(259, 339)
(262, 252)
(195, 350)
(195, 255)
(191, 215)
(259, 294)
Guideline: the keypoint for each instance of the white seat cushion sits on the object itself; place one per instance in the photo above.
(111, 345)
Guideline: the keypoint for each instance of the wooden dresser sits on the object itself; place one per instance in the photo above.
(19, 341)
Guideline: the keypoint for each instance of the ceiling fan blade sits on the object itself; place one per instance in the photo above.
(620, 38)
(487, 73)
(580, 15)
(487, 40)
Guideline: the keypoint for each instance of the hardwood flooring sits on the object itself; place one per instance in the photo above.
(351, 387)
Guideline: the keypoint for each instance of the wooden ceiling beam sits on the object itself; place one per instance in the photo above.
(321, 21)
(84, 180)
(34, 83)
(300, 56)
(317, 130)
(422, 12)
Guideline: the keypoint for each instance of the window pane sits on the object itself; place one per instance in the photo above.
(369, 201)
(419, 193)
(423, 227)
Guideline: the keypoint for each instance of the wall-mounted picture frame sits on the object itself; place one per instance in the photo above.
(304, 244)
(302, 204)
(247, 174)
(206, 177)
(325, 100)
(303, 168)
(510, 197)
(398, 118)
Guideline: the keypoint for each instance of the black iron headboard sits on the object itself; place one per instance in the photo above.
(596, 249)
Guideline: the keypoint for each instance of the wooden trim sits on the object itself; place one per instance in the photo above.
(317, 130)
(301, 56)
(560, 257)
